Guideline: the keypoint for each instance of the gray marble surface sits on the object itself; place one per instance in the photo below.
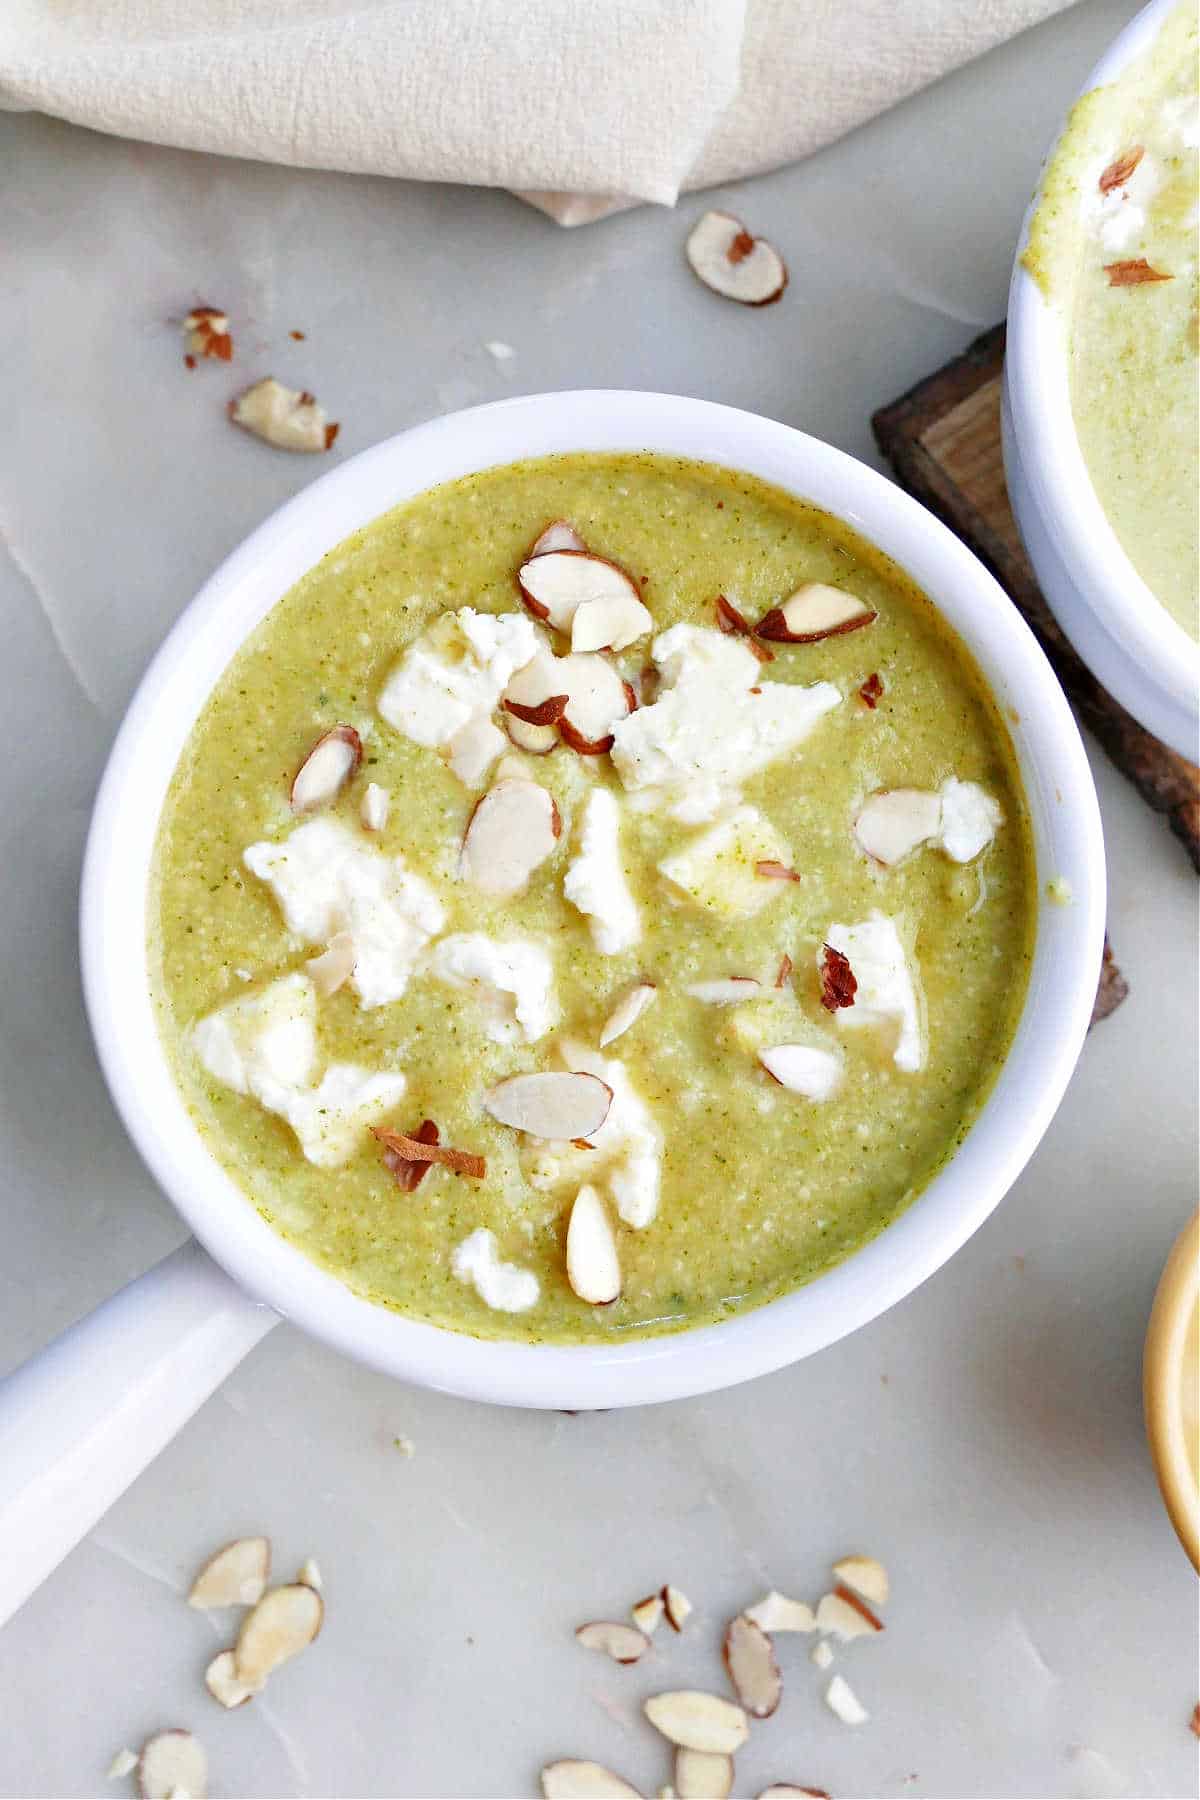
(984, 1438)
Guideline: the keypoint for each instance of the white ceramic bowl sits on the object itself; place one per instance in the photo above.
(1061, 989)
(1130, 641)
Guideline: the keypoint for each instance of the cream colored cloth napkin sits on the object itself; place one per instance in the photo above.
(580, 105)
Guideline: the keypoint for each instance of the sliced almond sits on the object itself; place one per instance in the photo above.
(770, 870)
(557, 583)
(732, 263)
(559, 534)
(841, 1699)
(598, 699)
(729, 620)
(420, 1149)
(557, 1104)
(473, 749)
(537, 740)
(775, 1612)
(593, 1268)
(698, 1721)
(326, 769)
(752, 1668)
(172, 1763)
(865, 1576)
(285, 1621)
(574, 1780)
(206, 333)
(628, 1011)
(283, 418)
(785, 1790)
(221, 1680)
(546, 712)
(511, 832)
(376, 804)
(647, 1614)
(725, 990)
(895, 822)
(335, 965)
(310, 1574)
(611, 623)
(236, 1576)
(677, 1607)
(703, 1775)
(844, 1616)
(803, 1069)
(813, 612)
(624, 1643)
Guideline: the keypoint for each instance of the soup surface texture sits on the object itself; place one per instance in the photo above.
(720, 835)
(1114, 243)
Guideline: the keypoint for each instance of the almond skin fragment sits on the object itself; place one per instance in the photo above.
(221, 1680)
(329, 765)
(774, 871)
(698, 1721)
(865, 1576)
(408, 1174)
(701, 1775)
(206, 333)
(420, 1150)
(753, 1671)
(677, 1607)
(624, 1643)
(647, 1614)
(285, 1621)
(842, 1616)
(785, 1790)
(555, 1105)
(784, 975)
(546, 712)
(593, 1268)
(574, 1780)
(559, 534)
(775, 1612)
(838, 981)
(172, 1763)
(734, 264)
(733, 624)
(282, 418)
(511, 832)
(813, 612)
(628, 1011)
(1118, 172)
(871, 692)
(236, 1576)
(1135, 271)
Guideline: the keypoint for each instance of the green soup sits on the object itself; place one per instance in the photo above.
(759, 1186)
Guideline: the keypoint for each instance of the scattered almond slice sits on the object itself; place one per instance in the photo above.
(841, 1699)
(326, 769)
(647, 1614)
(753, 1670)
(624, 1643)
(283, 418)
(784, 973)
(558, 1104)
(1135, 271)
(546, 712)
(698, 1721)
(335, 965)
(804, 1069)
(732, 263)
(775, 1612)
(1119, 171)
(409, 1174)
(420, 1149)
(703, 1775)
(376, 804)
(557, 583)
(838, 982)
(865, 1576)
(285, 1621)
(537, 740)
(895, 822)
(677, 1607)
(513, 829)
(236, 1576)
(559, 534)
(593, 1269)
(610, 623)
(222, 1681)
(206, 333)
(123, 1763)
(172, 1763)
(785, 1790)
(599, 699)
(573, 1780)
(473, 749)
(845, 1617)
(310, 1574)
(628, 1011)
(813, 612)
(725, 990)
(822, 1654)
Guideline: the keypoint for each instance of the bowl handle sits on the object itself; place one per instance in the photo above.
(81, 1419)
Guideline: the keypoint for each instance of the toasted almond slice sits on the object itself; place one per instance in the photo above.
(612, 622)
(677, 1607)
(785, 1790)
(725, 990)
(624, 1643)
(599, 698)
(593, 1268)
(173, 1763)
(285, 1621)
(703, 1775)
(221, 1680)
(628, 1011)
(895, 821)
(376, 804)
(574, 1780)
(532, 687)
(647, 1614)
(822, 1653)
(813, 612)
(511, 832)
(423, 1149)
(775, 1612)
(559, 534)
(409, 1174)
(557, 583)
(845, 1616)
(335, 965)
(1117, 173)
(310, 1574)
(803, 1069)
(698, 1721)
(473, 749)
(546, 712)
(841, 1699)
(729, 620)
(123, 1763)
(732, 263)
(537, 740)
(326, 769)
(752, 1668)
(865, 1576)
(560, 1104)
(236, 1576)
(283, 418)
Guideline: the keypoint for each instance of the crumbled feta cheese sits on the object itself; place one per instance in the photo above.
(505, 1287)
(595, 881)
(327, 880)
(627, 1149)
(330, 1119)
(716, 870)
(970, 820)
(1118, 218)
(1181, 117)
(514, 979)
(708, 728)
(455, 672)
(887, 999)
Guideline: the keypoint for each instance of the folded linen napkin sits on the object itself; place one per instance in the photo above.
(579, 106)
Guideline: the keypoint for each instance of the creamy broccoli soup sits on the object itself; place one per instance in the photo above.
(595, 900)
(1114, 243)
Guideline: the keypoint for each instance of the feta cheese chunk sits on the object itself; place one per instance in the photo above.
(717, 719)
(961, 818)
(627, 1150)
(595, 882)
(888, 999)
(970, 820)
(456, 672)
(331, 1119)
(326, 880)
(505, 1287)
(514, 979)
(716, 870)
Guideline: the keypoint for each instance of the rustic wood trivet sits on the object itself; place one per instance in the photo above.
(943, 440)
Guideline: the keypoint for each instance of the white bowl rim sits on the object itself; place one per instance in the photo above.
(1027, 1091)
(1039, 396)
